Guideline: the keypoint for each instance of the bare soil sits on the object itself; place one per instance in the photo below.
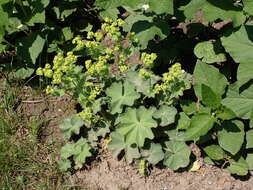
(107, 173)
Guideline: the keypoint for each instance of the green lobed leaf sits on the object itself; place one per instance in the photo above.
(215, 152)
(240, 50)
(214, 10)
(210, 52)
(121, 94)
(177, 155)
(209, 97)
(200, 125)
(82, 151)
(175, 135)
(155, 153)
(136, 125)
(71, 126)
(214, 79)
(166, 114)
(231, 136)
(118, 144)
(239, 167)
(67, 151)
(249, 139)
(79, 150)
(143, 86)
(64, 164)
(240, 102)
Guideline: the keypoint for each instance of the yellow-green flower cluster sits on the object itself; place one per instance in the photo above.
(175, 72)
(61, 66)
(112, 28)
(80, 44)
(173, 76)
(47, 71)
(49, 90)
(86, 114)
(123, 68)
(144, 73)
(148, 59)
(97, 35)
(95, 91)
(99, 67)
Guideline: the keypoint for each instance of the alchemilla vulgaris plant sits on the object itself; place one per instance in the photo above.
(124, 103)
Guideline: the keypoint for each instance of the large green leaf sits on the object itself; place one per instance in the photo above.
(200, 125)
(231, 136)
(209, 97)
(239, 167)
(249, 138)
(210, 52)
(121, 94)
(166, 114)
(215, 152)
(71, 126)
(214, 79)
(177, 155)
(240, 51)
(118, 144)
(146, 28)
(136, 125)
(214, 10)
(240, 103)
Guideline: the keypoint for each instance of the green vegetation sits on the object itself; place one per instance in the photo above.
(151, 77)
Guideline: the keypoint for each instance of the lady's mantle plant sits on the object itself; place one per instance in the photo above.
(125, 105)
